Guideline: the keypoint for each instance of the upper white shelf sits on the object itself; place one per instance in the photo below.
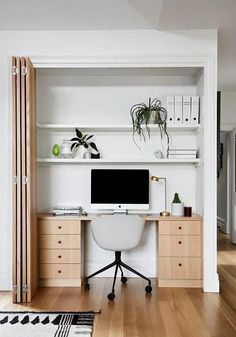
(112, 127)
(196, 161)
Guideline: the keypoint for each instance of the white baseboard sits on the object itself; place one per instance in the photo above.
(212, 285)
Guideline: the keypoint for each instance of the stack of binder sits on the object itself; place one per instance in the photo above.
(183, 110)
(182, 154)
(67, 210)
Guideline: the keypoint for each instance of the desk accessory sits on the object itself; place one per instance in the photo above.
(177, 207)
(188, 211)
(154, 178)
(56, 150)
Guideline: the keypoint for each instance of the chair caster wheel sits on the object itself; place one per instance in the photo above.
(148, 289)
(111, 296)
(86, 286)
(124, 279)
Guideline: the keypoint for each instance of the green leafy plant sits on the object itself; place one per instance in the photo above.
(141, 115)
(83, 140)
(176, 199)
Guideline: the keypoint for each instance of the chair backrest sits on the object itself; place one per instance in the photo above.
(117, 232)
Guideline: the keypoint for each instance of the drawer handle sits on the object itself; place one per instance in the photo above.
(179, 242)
(59, 227)
(59, 271)
(59, 256)
(59, 241)
(180, 227)
(180, 264)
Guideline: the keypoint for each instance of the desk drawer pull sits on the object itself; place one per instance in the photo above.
(180, 227)
(59, 271)
(59, 241)
(179, 242)
(180, 264)
(59, 227)
(59, 256)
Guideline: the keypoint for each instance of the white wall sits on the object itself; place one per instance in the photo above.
(228, 110)
(77, 44)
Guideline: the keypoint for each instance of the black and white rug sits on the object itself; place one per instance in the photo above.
(44, 324)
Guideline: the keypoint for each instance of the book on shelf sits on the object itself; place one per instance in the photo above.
(67, 210)
(182, 156)
(183, 151)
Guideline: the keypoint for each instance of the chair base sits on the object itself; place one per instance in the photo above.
(118, 264)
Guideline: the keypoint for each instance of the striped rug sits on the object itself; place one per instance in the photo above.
(45, 324)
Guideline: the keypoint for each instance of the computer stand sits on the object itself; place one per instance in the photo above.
(118, 264)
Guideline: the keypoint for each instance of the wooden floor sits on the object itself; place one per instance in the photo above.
(166, 313)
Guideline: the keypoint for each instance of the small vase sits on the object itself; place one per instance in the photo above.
(82, 153)
(177, 209)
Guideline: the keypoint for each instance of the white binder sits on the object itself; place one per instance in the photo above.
(195, 110)
(170, 107)
(178, 110)
(186, 110)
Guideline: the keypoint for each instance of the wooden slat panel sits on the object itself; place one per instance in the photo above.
(59, 241)
(180, 245)
(23, 181)
(31, 164)
(59, 271)
(59, 226)
(60, 256)
(19, 174)
(14, 172)
(181, 268)
(180, 227)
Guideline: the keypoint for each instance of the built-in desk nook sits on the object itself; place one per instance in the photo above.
(178, 250)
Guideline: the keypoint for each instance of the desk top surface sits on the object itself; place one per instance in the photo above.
(147, 217)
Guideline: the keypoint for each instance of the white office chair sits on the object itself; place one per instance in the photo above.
(117, 233)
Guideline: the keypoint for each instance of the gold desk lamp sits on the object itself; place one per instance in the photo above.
(154, 178)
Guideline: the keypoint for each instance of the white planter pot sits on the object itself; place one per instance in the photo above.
(82, 153)
(177, 209)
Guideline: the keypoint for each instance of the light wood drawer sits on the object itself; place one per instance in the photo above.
(59, 256)
(180, 245)
(181, 268)
(59, 241)
(59, 226)
(59, 271)
(180, 227)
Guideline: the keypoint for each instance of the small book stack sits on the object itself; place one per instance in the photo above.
(182, 154)
(67, 210)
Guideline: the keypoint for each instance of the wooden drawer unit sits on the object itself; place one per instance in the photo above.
(61, 251)
(180, 245)
(180, 253)
(59, 271)
(59, 241)
(60, 256)
(180, 268)
(59, 227)
(180, 227)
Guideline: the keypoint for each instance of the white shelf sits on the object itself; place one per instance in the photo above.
(196, 161)
(112, 127)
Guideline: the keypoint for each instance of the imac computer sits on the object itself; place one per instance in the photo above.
(120, 189)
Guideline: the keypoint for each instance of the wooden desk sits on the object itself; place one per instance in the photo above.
(179, 251)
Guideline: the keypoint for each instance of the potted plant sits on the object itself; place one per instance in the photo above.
(177, 207)
(82, 141)
(142, 115)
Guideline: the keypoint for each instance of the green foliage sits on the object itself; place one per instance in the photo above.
(176, 199)
(83, 140)
(141, 114)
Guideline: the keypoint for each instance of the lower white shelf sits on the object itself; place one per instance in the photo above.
(196, 161)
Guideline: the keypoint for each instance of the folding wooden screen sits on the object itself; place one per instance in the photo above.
(25, 248)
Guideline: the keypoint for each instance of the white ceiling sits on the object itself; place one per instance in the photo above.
(131, 14)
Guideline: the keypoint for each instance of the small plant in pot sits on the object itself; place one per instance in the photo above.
(177, 207)
(82, 141)
(142, 115)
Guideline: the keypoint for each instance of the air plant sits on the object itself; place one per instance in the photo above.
(83, 140)
(141, 115)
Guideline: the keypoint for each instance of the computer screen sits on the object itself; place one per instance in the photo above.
(119, 189)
